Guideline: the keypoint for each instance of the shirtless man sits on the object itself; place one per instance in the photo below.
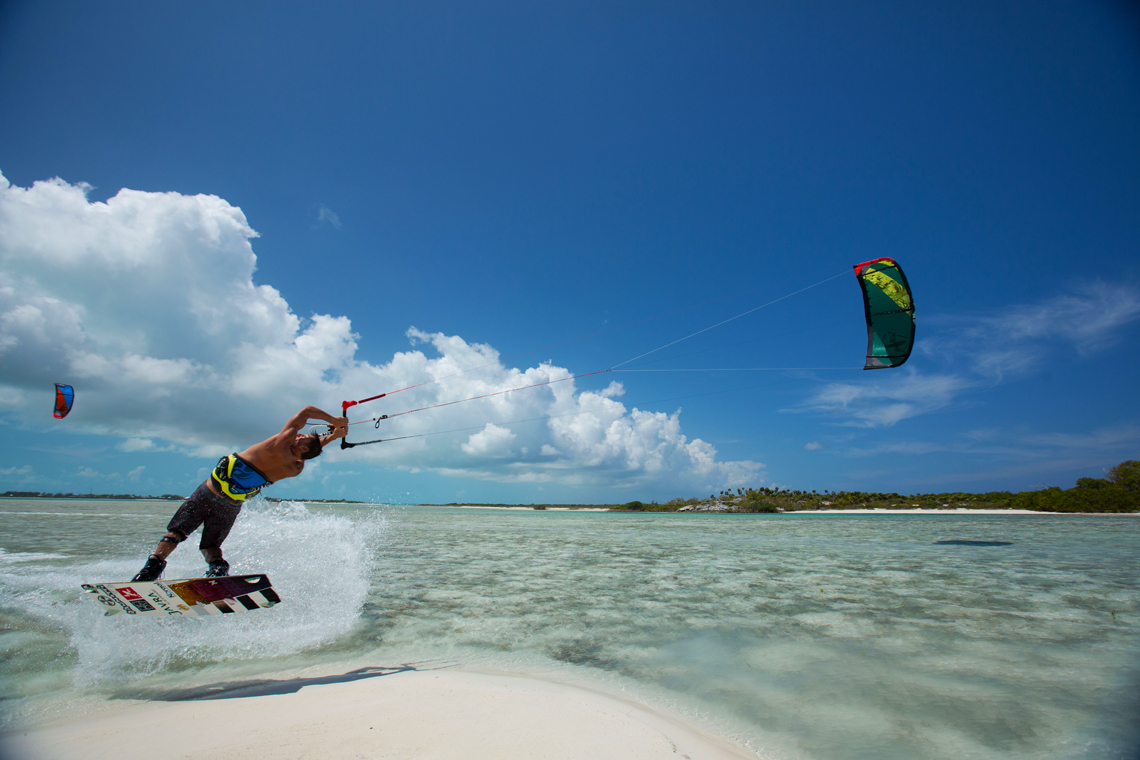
(237, 477)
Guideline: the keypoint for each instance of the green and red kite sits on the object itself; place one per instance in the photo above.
(889, 307)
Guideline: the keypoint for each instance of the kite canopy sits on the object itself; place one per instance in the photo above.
(889, 307)
(64, 397)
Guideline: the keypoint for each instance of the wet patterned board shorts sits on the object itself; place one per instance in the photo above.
(214, 513)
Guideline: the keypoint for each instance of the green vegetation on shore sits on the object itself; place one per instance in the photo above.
(1118, 492)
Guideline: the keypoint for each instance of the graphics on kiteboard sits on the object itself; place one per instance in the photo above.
(189, 596)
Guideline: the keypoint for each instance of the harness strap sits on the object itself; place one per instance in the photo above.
(237, 478)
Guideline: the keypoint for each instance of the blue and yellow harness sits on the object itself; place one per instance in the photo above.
(237, 478)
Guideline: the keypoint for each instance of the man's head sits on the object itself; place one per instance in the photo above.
(310, 446)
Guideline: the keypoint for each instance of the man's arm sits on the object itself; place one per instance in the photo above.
(298, 421)
(337, 433)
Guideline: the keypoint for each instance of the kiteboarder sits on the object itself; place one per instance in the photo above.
(217, 502)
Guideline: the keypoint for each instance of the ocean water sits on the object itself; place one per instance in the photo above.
(821, 637)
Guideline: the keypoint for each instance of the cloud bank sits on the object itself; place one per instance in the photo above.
(147, 304)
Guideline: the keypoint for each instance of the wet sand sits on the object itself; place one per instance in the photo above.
(444, 715)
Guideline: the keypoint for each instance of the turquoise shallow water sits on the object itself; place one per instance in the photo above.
(799, 636)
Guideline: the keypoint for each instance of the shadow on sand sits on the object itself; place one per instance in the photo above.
(261, 687)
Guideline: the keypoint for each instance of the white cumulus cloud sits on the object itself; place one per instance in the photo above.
(490, 441)
(147, 304)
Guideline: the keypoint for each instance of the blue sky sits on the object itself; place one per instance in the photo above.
(215, 214)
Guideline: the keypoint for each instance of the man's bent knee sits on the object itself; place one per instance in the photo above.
(173, 537)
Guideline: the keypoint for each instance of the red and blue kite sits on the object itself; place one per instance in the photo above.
(64, 398)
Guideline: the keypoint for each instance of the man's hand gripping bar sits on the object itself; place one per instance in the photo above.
(344, 407)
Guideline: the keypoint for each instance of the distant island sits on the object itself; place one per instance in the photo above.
(1119, 492)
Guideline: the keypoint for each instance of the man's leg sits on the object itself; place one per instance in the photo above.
(185, 521)
(214, 531)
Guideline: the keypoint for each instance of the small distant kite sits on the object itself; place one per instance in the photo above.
(64, 398)
(889, 307)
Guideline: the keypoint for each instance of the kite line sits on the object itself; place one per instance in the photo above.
(878, 278)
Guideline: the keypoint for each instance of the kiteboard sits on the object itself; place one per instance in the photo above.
(185, 597)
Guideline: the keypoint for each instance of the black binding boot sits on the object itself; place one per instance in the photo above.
(219, 568)
(151, 570)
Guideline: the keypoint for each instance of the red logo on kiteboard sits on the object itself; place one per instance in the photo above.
(129, 593)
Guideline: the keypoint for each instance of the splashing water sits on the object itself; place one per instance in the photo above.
(320, 565)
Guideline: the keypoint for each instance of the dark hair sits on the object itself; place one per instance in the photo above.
(314, 449)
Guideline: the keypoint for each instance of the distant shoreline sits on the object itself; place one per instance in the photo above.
(620, 508)
(528, 507)
(949, 511)
(911, 511)
(164, 497)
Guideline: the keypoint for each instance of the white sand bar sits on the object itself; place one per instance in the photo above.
(449, 715)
